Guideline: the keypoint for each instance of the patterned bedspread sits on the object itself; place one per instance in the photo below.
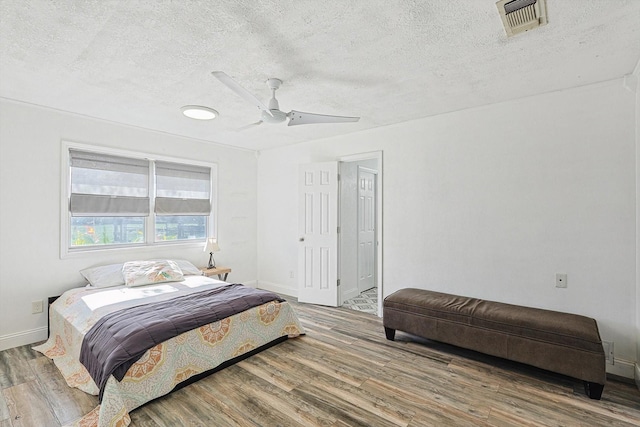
(167, 364)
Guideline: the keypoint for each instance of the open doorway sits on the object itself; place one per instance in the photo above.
(359, 238)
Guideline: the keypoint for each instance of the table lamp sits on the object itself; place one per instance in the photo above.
(211, 246)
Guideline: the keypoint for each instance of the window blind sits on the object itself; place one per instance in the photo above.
(106, 185)
(182, 189)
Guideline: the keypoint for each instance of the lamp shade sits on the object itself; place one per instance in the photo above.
(212, 245)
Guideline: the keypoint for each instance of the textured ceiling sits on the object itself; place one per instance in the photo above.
(137, 62)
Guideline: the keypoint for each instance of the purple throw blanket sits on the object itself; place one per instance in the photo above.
(120, 338)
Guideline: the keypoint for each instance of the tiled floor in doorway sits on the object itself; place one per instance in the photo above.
(366, 302)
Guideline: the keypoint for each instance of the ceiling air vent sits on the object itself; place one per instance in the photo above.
(519, 16)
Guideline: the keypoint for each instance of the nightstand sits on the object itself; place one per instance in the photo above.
(216, 270)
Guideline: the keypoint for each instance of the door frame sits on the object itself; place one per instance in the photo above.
(379, 234)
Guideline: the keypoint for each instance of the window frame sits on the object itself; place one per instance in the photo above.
(66, 250)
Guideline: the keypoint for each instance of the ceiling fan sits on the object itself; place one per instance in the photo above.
(272, 113)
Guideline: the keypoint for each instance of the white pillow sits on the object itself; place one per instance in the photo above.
(138, 273)
(188, 269)
(104, 276)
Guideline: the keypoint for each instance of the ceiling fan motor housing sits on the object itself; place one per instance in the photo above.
(278, 116)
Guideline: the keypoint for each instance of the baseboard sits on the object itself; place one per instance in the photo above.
(251, 283)
(278, 289)
(23, 338)
(623, 368)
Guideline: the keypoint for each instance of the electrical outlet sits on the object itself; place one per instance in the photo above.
(291, 274)
(36, 307)
(561, 280)
(608, 351)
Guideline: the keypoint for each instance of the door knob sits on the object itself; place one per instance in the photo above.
(302, 239)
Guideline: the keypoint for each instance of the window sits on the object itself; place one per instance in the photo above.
(182, 201)
(117, 200)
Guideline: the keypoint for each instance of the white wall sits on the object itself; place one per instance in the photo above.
(30, 264)
(636, 84)
(492, 203)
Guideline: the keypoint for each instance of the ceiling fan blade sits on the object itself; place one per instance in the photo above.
(300, 118)
(239, 90)
(252, 125)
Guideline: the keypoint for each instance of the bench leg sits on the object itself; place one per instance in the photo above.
(593, 390)
(390, 333)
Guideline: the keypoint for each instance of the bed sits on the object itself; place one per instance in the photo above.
(168, 364)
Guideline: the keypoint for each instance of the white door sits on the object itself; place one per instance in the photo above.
(318, 241)
(366, 229)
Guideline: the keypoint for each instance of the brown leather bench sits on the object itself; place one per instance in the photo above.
(564, 343)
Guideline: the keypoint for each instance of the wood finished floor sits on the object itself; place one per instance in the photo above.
(342, 373)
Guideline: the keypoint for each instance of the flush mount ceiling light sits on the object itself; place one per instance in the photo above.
(199, 112)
